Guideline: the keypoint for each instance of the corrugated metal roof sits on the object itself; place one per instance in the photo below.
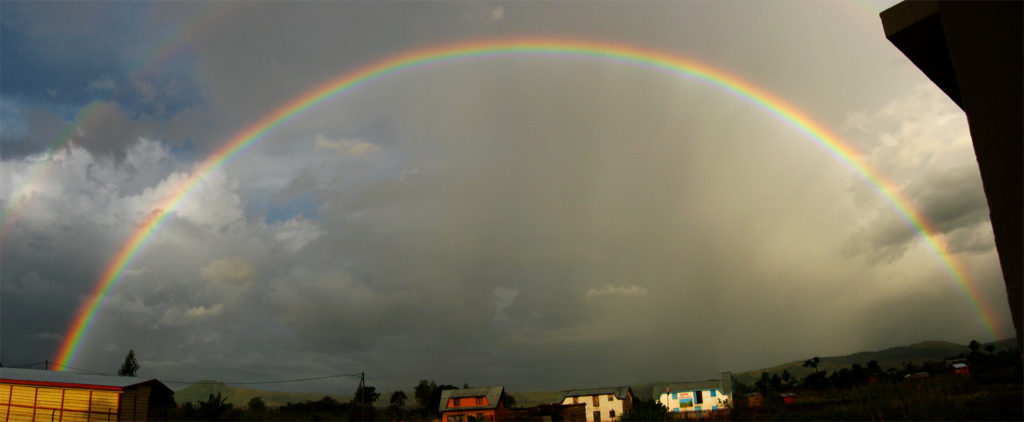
(493, 395)
(37, 376)
(619, 392)
(724, 385)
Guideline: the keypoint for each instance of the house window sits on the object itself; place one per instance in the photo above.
(713, 408)
(611, 414)
(575, 399)
(455, 402)
(675, 396)
(713, 392)
(479, 401)
(697, 408)
(457, 418)
(698, 397)
(597, 416)
(611, 397)
(597, 401)
(675, 410)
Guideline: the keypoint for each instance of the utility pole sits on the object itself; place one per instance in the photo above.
(46, 365)
(356, 401)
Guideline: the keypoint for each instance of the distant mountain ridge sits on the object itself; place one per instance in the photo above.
(240, 397)
(893, 357)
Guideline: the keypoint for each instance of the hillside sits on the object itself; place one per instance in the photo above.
(893, 357)
(239, 397)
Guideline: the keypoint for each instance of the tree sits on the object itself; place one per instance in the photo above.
(256, 404)
(398, 399)
(510, 401)
(396, 409)
(213, 408)
(130, 367)
(812, 363)
(974, 346)
(422, 394)
(428, 396)
(366, 395)
(991, 349)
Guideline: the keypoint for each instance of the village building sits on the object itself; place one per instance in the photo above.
(37, 395)
(483, 403)
(603, 404)
(961, 369)
(701, 396)
(551, 413)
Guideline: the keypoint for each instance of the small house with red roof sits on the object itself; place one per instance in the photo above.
(483, 403)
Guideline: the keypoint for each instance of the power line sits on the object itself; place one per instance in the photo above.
(26, 365)
(82, 370)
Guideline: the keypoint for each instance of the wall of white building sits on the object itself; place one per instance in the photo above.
(712, 399)
(605, 406)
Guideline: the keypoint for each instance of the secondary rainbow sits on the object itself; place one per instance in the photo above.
(622, 54)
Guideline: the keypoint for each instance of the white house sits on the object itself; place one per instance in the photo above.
(697, 396)
(603, 404)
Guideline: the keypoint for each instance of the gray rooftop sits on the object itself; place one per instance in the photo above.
(30, 376)
(724, 385)
(493, 395)
(619, 392)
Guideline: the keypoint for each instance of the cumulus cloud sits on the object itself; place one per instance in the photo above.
(921, 142)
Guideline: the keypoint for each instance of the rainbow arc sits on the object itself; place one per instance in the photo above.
(626, 55)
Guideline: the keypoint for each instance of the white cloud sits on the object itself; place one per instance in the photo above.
(609, 290)
(503, 297)
(296, 233)
(921, 143)
(204, 311)
(102, 84)
(354, 147)
(234, 270)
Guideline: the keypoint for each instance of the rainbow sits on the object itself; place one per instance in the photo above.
(505, 48)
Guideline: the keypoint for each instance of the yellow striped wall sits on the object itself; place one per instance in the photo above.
(65, 404)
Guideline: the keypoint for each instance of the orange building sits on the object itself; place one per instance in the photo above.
(484, 403)
(36, 395)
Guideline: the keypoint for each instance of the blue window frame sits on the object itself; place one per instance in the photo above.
(713, 393)
(675, 396)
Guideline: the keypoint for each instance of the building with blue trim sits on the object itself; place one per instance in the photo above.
(700, 396)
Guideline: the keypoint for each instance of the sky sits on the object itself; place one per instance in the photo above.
(538, 222)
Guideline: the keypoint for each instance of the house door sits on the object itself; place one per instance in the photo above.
(597, 416)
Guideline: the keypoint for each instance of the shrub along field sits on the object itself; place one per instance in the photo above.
(992, 391)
